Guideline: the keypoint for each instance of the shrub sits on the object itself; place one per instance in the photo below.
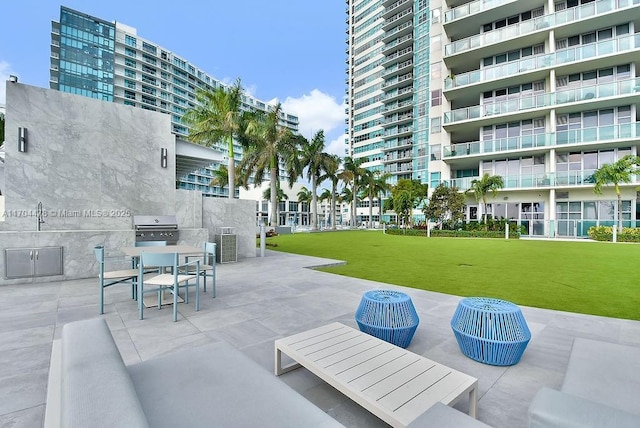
(605, 233)
(454, 233)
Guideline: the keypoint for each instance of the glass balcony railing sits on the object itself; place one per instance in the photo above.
(537, 62)
(498, 145)
(473, 7)
(543, 22)
(604, 90)
(626, 131)
(503, 107)
(564, 96)
(539, 180)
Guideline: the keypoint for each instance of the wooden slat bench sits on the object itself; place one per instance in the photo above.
(394, 384)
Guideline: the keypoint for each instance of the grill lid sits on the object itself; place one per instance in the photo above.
(155, 222)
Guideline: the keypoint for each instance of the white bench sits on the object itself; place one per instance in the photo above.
(394, 384)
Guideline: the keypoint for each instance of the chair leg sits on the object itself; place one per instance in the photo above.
(213, 281)
(140, 297)
(198, 293)
(175, 302)
(101, 298)
(205, 280)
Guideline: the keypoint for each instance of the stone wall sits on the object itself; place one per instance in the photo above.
(92, 164)
(236, 213)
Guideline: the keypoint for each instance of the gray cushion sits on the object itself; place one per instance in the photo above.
(217, 385)
(96, 388)
(443, 416)
(555, 409)
(604, 372)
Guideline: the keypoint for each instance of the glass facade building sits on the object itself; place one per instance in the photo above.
(541, 93)
(109, 61)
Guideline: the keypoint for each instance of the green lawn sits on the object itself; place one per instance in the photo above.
(586, 277)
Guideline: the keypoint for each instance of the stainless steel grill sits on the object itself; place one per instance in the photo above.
(156, 228)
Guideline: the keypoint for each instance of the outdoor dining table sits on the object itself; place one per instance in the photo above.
(182, 250)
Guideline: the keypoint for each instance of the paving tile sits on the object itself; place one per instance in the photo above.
(27, 418)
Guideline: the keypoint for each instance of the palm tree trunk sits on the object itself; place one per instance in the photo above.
(314, 204)
(370, 212)
(353, 204)
(231, 166)
(619, 213)
(273, 175)
(333, 205)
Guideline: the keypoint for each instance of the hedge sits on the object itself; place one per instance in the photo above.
(437, 233)
(605, 233)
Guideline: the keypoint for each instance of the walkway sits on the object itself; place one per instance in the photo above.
(260, 300)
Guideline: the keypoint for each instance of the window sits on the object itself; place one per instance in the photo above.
(130, 40)
(436, 125)
(436, 98)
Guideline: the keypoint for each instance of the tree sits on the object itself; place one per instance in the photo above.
(280, 196)
(220, 177)
(373, 184)
(350, 175)
(217, 118)
(615, 173)
(331, 174)
(316, 162)
(1, 129)
(304, 196)
(407, 195)
(482, 187)
(446, 205)
(326, 196)
(269, 145)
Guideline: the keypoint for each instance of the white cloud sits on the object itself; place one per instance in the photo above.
(337, 146)
(5, 71)
(316, 111)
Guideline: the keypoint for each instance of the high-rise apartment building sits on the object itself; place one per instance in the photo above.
(539, 92)
(109, 61)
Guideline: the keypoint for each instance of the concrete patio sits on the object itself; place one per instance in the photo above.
(262, 299)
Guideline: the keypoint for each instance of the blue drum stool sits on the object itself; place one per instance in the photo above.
(491, 331)
(388, 315)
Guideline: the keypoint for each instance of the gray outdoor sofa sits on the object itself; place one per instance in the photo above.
(601, 388)
(212, 385)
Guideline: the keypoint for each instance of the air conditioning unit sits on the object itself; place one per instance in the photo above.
(226, 245)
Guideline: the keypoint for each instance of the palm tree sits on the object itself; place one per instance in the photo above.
(615, 173)
(482, 187)
(351, 176)
(316, 162)
(331, 174)
(373, 184)
(280, 196)
(220, 177)
(270, 144)
(345, 195)
(326, 196)
(304, 196)
(217, 118)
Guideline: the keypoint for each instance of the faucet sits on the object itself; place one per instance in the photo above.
(39, 216)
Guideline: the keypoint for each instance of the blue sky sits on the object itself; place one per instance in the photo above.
(292, 51)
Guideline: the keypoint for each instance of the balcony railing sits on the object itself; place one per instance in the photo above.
(473, 7)
(539, 180)
(537, 62)
(503, 107)
(564, 96)
(626, 131)
(543, 22)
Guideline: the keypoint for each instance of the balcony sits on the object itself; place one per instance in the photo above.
(398, 118)
(399, 93)
(472, 8)
(395, 82)
(398, 131)
(400, 29)
(398, 143)
(499, 108)
(400, 105)
(397, 68)
(538, 62)
(546, 22)
(394, 7)
(499, 145)
(558, 98)
(405, 15)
